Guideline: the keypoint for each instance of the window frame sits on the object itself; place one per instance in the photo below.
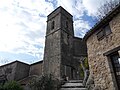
(66, 24)
(52, 25)
(108, 54)
(103, 31)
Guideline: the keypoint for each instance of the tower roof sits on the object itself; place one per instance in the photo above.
(58, 10)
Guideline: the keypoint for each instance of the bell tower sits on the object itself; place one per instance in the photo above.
(58, 52)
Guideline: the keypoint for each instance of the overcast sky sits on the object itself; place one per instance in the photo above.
(23, 25)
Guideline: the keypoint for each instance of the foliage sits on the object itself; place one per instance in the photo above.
(45, 82)
(11, 85)
(86, 65)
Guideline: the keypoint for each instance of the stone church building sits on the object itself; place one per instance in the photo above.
(61, 55)
(61, 47)
(63, 52)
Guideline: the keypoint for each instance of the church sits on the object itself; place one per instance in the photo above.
(62, 52)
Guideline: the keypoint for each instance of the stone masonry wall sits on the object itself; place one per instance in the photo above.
(36, 69)
(22, 71)
(12, 66)
(98, 63)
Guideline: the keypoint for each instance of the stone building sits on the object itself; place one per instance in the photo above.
(15, 70)
(61, 46)
(103, 46)
(61, 56)
(20, 71)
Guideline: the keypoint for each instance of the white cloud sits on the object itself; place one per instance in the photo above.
(81, 27)
(93, 5)
(75, 7)
(3, 60)
(23, 22)
(23, 26)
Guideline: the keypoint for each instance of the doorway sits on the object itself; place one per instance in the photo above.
(115, 59)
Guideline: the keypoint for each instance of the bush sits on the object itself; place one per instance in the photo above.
(46, 82)
(11, 85)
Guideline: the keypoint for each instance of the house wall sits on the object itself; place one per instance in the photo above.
(98, 63)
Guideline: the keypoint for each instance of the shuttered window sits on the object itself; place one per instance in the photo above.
(105, 31)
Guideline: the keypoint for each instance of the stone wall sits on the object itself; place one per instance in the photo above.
(98, 63)
(22, 71)
(11, 73)
(52, 54)
(36, 68)
(15, 70)
(79, 47)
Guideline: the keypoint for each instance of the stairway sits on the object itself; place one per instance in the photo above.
(73, 85)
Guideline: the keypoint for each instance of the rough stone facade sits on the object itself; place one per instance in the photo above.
(36, 69)
(99, 61)
(59, 46)
(16, 70)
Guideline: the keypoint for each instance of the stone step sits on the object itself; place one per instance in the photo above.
(73, 89)
(75, 81)
(73, 85)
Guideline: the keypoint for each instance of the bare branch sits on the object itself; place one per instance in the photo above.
(106, 8)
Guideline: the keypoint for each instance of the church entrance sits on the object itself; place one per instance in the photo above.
(115, 58)
(69, 72)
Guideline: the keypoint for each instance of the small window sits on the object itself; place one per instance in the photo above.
(66, 24)
(52, 25)
(107, 30)
(100, 34)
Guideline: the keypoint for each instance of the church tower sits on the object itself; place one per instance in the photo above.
(58, 52)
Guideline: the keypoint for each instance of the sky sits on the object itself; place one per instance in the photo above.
(23, 25)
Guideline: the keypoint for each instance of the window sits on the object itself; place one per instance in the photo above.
(66, 24)
(52, 25)
(105, 31)
(100, 35)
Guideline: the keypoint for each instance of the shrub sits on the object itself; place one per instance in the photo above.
(11, 85)
(45, 82)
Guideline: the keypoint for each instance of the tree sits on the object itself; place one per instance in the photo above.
(106, 8)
